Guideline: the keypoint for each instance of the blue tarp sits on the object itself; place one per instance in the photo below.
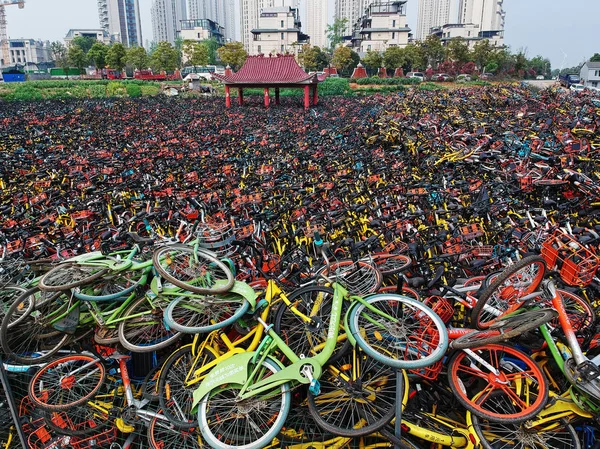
(13, 77)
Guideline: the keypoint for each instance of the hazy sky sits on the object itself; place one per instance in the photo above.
(551, 28)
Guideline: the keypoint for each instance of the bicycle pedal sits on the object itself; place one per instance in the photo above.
(588, 370)
(314, 387)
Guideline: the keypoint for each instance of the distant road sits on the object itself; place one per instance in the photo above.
(542, 84)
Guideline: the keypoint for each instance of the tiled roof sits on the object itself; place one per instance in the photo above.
(593, 65)
(281, 69)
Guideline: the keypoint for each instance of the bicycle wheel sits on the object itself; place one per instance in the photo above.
(505, 329)
(358, 395)
(143, 329)
(77, 421)
(391, 264)
(500, 435)
(106, 336)
(175, 395)
(8, 295)
(518, 378)
(503, 296)
(398, 331)
(192, 270)
(70, 275)
(164, 435)
(580, 312)
(28, 336)
(359, 278)
(66, 382)
(204, 313)
(112, 287)
(303, 337)
(248, 424)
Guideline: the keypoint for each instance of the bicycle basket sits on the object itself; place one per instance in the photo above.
(575, 263)
(359, 278)
(216, 237)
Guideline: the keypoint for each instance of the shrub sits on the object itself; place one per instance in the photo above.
(98, 91)
(25, 92)
(334, 86)
(431, 86)
(116, 89)
(150, 90)
(133, 90)
(387, 81)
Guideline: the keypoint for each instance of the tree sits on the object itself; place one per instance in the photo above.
(97, 54)
(595, 58)
(312, 58)
(76, 57)
(345, 59)
(482, 53)
(540, 65)
(137, 57)
(195, 53)
(116, 56)
(393, 57)
(212, 46)
(335, 32)
(83, 42)
(433, 49)
(233, 54)
(373, 59)
(458, 50)
(414, 56)
(165, 57)
(179, 47)
(59, 53)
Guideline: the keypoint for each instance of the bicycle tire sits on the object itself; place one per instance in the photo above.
(146, 332)
(70, 275)
(191, 315)
(53, 370)
(164, 435)
(581, 314)
(78, 421)
(29, 339)
(11, 293)
(300, 336)
(228, 440)
(517, 437)
(505, 329)
(166, 253)
(106, 336)
(368, 398)
(412, 335)
(171, 385)
(112, 288)
(502, 294)
(530, 383)
(391, 264)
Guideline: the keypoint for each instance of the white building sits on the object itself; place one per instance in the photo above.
(432, 14)
(28, 51)
(278, 32)
(590, 74)
(469, 32)
(166, 19)
(219, 11)
(201, 30)
(121, 19)
(100, 35)
(316, 22)
(382, 26)
(488, 14)
(251, 12)
(351, 10)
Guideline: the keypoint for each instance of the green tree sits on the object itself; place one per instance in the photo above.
(415, 57)
(394, 57)
(137, 57)
(233, 54)
(345, 59)
(595, 58)
(312, 58)
(59, 53)
(195, 53)
(541, 65)
(179, 47)
(97, 54)
(212, 46)
(76, 57)
(433, 49)
(83, 42)
(116, 57)
(165, 57)
(520, 61)
(482, 53)
(373, 59)
(336, 31)
(458, 50)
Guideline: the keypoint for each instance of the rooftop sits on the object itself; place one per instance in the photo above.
(281, 69)
(592, 65)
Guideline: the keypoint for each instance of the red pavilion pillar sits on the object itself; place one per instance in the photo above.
(266, 97)
(315, 94)
(227, 97)
(241, 96)
(306, 97)
(277, 95)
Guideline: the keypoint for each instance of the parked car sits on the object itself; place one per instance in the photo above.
(443, 77)
(540, 77)
(577, 87)
(596, 90)
(463, 78)
(486, 76)
(416, 75)
(334, 75)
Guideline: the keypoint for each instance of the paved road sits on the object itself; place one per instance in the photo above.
(542, 84)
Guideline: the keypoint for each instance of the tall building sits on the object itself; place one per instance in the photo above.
(221, 12)
(432, 14)
(382, 26)
(316, 22)
(121, 19)
(251, 12)
(166, 19)
(278, 31)
(351, 10)
(488, 14)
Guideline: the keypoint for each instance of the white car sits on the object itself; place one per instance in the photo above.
(539, 77)
(577, 87)
(416, 75)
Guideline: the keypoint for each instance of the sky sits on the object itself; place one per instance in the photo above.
(564, 32)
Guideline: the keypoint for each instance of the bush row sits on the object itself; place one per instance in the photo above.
(385, 81)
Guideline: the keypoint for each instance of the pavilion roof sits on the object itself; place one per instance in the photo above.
(269, 70)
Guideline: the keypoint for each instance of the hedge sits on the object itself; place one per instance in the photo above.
(386, 81)
(133, 90)
(431, 86)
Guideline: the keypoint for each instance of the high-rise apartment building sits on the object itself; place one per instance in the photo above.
(220, 11)
(351, 10)
(166, 19)
(316, 22)
(121, 20)
(251, 12)
(432, 14)
(488, 14)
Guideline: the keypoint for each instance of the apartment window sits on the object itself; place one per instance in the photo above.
(393, 35)
(393, 24)
(282, 36)
(259, 49)
(198, 35)
(282, 25)
(469, 34)
(368, 47)
(282, 48)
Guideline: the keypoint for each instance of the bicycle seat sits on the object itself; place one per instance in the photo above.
(140, 240)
